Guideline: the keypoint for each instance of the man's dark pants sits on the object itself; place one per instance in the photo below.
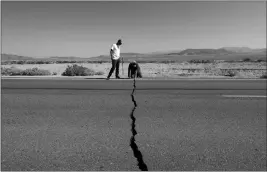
(115, 64)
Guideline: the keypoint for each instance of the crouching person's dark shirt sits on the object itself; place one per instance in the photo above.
(134, 70)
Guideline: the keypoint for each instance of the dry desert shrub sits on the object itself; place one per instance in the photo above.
(27, 72)
(76, 70)
(264, 76)
(35, 72)
(99, 73)
(246, 60)
(228, 72)
(200, 61)
(10, 71)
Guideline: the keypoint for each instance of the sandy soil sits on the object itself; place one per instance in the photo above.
(171, 70)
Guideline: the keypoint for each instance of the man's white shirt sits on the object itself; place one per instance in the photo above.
(116, 52)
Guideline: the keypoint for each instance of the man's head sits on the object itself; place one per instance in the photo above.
(119, 42)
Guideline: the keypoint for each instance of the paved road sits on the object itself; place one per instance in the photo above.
(59, 124)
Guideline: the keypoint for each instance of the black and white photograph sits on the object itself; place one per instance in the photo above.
(133, 85)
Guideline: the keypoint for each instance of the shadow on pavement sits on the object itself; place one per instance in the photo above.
(104, 78)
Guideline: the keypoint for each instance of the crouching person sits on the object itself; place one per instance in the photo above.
(134, 70)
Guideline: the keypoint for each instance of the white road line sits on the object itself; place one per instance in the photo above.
(244, 96)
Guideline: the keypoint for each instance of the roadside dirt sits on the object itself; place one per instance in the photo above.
(171, 70)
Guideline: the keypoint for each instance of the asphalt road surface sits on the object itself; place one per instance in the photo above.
(62, 124)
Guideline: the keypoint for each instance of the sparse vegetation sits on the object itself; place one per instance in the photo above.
(246, 60)
(66, 61)
(144, 60)
(236, 69)
(76, 70)
(261, 60)
(264, 76)
(99, 73)
(35, 72)
(10, 71)
(200, 61)
(167, 61)
(228, 72)
(27, 72)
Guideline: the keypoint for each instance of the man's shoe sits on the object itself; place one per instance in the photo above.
(107, 78)
(118, 77)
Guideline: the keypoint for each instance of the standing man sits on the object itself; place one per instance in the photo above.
(115, 58)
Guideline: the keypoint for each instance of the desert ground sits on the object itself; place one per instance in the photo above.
(167, 70)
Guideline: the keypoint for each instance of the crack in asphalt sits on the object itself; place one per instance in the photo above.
(137, 154)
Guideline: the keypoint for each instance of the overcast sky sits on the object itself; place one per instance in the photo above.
(86, 29)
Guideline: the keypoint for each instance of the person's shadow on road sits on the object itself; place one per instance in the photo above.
(104, 78)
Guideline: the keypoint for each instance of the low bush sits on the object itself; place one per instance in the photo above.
(200, 61)
(35, 72)
(10, 71)
(167, 61)
(261, 60)
(229, 73)
(21, 62)
(246, 60)
(99, 73)
(27, 72)
(264, 76)
(5, 62)
(76, 70)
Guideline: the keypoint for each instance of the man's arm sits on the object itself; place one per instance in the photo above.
(111, 50)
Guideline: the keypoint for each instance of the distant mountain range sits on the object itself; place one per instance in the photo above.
(15, 57)
(243, 49)
(220, 51)
(165, 52)
(238, 49)
(204, 52)
(124, 55)
(65, 58)
(225, 52)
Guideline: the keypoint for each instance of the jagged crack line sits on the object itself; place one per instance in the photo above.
(137, 154)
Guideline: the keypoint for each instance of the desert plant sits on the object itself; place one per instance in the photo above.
(72, 61)
(264, 76)
(40, 62)
(200, 61)
(99, 73)
(192, 70)
(5, 62)
(261, 60)
(35, 72)
(21, 62)
(229, 73)
(167, 61)
(30, 62)
(29, 72)
(246, 60)
(76, 70)
(10, 71)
